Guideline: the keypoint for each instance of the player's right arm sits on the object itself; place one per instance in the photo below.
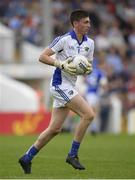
(55, 47)
(46, 58)
(66, 65)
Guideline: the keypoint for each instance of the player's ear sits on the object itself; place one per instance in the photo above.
(75, 23)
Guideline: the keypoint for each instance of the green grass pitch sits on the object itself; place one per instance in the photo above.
(104, 156)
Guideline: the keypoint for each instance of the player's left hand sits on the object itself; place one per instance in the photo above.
(89, 68)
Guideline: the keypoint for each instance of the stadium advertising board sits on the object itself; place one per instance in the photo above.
(23, 123)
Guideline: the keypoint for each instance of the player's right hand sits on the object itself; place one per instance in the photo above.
(66, 65)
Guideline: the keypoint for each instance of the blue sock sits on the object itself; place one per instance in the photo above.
(29, 155)
(74, 149)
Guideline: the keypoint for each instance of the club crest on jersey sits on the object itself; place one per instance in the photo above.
(86, 49)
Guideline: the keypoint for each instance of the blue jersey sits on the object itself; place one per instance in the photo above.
(94, 80)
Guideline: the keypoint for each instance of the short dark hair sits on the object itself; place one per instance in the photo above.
(77, 15)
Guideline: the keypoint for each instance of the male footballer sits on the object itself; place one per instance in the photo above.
(63, 90)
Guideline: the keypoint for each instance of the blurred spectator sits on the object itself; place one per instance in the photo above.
(101, 39)
(24, 18)
(114, 60)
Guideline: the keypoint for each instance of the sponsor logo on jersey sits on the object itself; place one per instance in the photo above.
(71, 92)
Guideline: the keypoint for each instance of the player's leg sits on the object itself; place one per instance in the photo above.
(82, 108)
(85, 111)
(57, 119)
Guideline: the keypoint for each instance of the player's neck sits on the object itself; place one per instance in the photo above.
(79, 36)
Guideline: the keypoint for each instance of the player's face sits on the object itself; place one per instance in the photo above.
(83, 26)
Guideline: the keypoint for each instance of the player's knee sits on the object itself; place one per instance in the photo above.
(89, 116)
(55, 131)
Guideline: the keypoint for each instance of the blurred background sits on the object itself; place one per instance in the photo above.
(28, 26)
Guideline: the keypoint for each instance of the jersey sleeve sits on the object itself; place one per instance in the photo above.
(91, 52)
(57, 44)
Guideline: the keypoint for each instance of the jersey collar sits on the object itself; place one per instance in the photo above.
(73, 35)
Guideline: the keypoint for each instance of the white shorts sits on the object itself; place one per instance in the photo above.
(62, 94)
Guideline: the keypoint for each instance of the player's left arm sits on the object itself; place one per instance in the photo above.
(90, 58)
